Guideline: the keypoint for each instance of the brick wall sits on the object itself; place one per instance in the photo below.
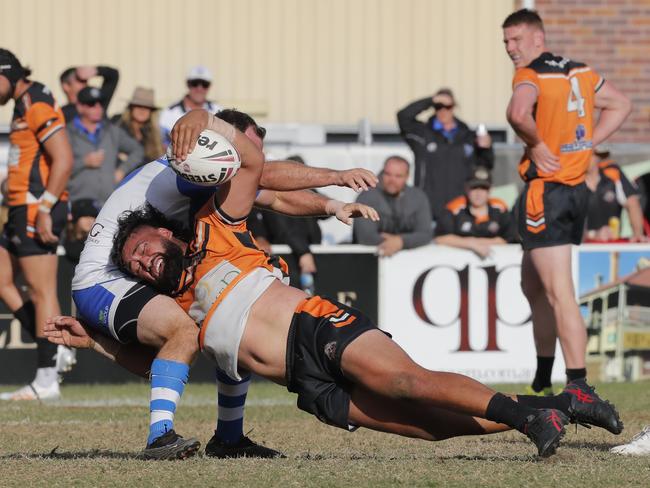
(612, 36)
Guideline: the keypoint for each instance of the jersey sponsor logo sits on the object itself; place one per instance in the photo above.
(493, 227)
(212, 285)
(579, 144)
(330, 350)
(609, 196)
(466, 227)
(95, 230)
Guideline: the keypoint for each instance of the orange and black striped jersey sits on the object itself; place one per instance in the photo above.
(564, 114)
(222, 252)
(36, 118)
(458, 219)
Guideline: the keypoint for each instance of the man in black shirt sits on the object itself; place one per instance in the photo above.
(74, 79)
(611, 191)
(475, 221)
(446, 151)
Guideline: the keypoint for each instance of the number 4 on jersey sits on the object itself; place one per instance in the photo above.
(575, 102)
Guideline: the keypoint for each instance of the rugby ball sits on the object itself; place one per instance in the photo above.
(213, 160)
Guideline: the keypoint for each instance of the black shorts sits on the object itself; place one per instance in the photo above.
(320, 331)
(18, 237)
(551, 214)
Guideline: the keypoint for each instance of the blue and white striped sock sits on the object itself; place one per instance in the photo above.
(231, 397)
(168, 379)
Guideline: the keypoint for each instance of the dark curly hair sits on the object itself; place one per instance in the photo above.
(148, 215)
(241, 121)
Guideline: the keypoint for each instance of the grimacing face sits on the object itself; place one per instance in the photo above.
(523, 43)
(155, 256)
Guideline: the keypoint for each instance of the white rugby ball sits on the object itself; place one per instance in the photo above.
(213, 160)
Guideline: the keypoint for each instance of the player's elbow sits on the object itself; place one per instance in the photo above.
(516, 116)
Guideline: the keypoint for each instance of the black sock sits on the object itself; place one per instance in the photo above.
(576, 374)
(504, 410)
(26, 315)
(560, 402)
(543, 374)
(46, 353)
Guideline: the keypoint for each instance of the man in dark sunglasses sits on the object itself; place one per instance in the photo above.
(446, 151)
(76, 78)
(199, 80)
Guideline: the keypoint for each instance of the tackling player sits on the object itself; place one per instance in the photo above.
(552, 111)
(133, 313)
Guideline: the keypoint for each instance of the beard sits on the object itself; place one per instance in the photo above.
(167, 282)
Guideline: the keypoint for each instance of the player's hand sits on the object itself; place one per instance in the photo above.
(44, 228)
(358, 179)
(186, 132)
(67, 331)
(390, 245)
(543, 158)
(351, 211)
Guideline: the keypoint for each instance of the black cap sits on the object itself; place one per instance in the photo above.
(479, 178)
(85, 207)
(10, 67)
(90, 95)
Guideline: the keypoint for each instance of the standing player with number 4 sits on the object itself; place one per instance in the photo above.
(552, 111)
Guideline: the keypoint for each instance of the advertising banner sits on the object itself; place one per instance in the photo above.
(452, 311)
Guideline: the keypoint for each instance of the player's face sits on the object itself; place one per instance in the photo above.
(523, 43)
(394, 176)
(478, 196)
(153, 255)
(5, 90)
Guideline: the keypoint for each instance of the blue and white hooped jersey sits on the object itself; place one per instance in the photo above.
(155, 183)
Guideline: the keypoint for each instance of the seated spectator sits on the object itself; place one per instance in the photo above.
(199, 80)
(81, 219)
(475, 221)
(610, 192)
(140, 121)
(298, 233)
(74, 79)
(96, 144)
(405, 218)
(446, 151)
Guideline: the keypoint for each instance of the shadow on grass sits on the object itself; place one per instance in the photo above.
(72, 455)
(433, 457)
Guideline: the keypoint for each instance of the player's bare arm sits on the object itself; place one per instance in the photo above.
(520, 117)
(303, 202)
(58, 149)
(615, 107)
(289, 175)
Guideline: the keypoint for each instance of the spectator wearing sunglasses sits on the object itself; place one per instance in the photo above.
(446, 151)
(74, 79)
(96, 146)
(199, 79)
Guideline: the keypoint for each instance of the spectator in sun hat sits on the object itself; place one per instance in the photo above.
(198, 80)
(140, 121)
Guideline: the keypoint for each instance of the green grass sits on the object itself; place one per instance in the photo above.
(89, 438)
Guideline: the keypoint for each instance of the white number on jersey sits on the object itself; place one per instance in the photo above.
(575, 102)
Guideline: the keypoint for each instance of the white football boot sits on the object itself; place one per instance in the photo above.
(33, 392)
(638, 446)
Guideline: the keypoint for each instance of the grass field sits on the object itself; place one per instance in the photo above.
(90, 438)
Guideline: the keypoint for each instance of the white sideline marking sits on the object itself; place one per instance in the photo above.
(144, 402)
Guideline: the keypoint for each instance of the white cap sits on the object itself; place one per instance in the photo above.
(199, 73)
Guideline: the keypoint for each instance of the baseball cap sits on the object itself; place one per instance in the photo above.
(479, 178)
(199, 73)
(90, 95)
